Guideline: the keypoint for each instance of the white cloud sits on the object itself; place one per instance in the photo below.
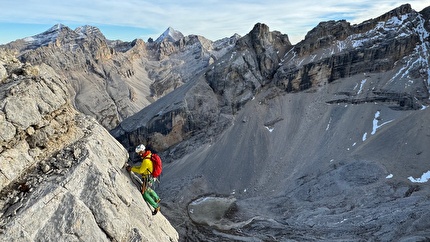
(212, 19)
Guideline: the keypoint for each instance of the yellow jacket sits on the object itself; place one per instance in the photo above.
(145, 167)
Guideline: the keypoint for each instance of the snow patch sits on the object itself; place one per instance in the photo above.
(375, 122)
(29, 39)
(361, 86)
(328, 125)
(389, 176)
(355, 87)
(364, 136)
(424, 178)
(269, 128)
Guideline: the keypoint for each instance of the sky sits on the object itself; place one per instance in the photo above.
(214, 19)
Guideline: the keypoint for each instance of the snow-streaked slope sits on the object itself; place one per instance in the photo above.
(345, 159)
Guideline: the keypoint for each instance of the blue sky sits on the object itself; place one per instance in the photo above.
(214, 19)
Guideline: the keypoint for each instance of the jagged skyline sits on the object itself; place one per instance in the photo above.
(128, 20)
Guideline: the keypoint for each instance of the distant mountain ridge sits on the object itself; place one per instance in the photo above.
(112, 80)
(60, 30)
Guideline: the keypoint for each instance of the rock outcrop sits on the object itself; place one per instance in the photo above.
(336, 50)
(61, 175)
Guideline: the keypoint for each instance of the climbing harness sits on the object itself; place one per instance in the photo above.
(141, 185)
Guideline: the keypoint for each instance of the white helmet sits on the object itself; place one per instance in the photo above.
(140, 148)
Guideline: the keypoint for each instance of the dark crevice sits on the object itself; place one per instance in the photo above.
(411, 190)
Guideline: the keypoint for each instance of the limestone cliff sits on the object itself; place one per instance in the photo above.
(112, 80)
(61, 176)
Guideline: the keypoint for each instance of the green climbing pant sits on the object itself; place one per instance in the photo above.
(151, 197)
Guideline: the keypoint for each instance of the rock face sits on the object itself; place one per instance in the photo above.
(335, 50)
(204, 106)
(61, 172)
(36, 119)
(321, 141)
(111, 80)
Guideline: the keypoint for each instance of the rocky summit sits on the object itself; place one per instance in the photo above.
(262, 140)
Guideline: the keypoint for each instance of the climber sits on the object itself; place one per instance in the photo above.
(145, 170)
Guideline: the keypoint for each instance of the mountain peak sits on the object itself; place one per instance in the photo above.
(56, 27)
(62, 32)
(88, 30)
(396, 12)
(171, 35)
(48, 36)
(54, 30)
